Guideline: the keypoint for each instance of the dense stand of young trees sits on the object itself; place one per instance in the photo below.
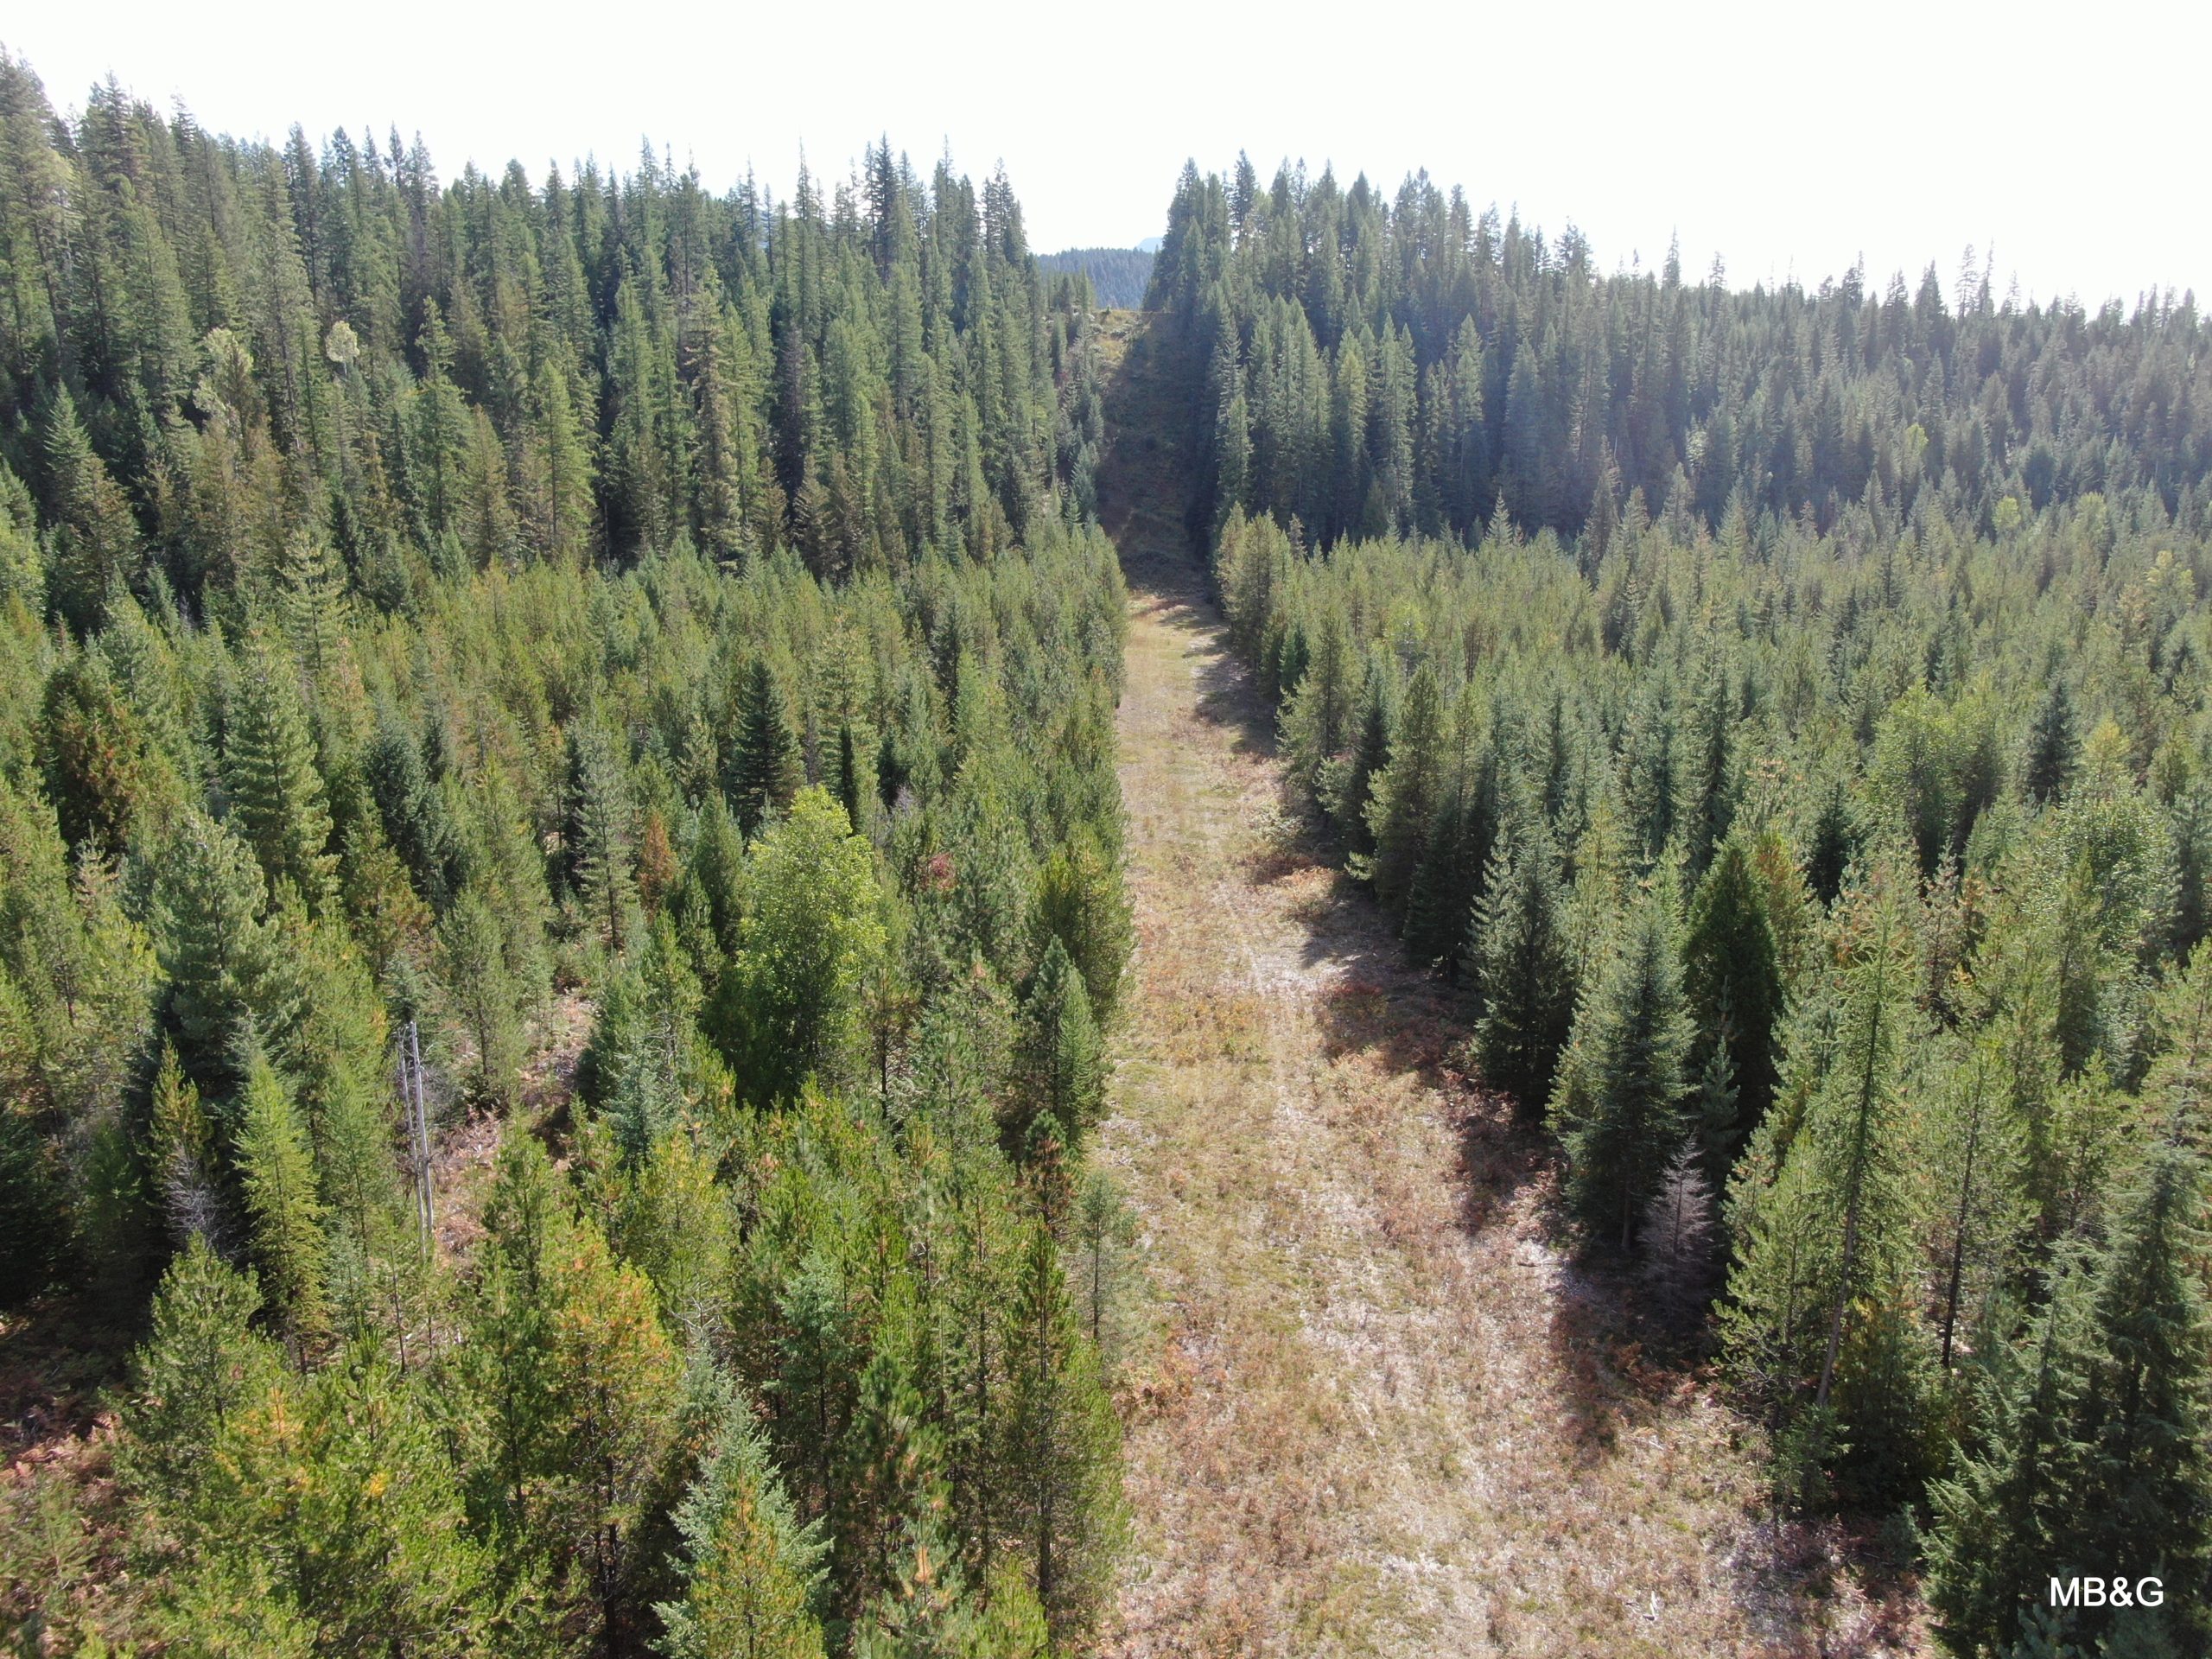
(434, 617)
(1824, 857)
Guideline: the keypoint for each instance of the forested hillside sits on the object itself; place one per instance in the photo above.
(1381, 366)
(1782, 716)
(1119, 276)
(436, 614)
(563, 931)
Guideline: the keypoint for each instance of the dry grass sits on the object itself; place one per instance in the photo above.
(1383, 1411)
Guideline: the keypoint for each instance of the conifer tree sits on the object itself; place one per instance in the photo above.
(852, 791)
(2053, 745)
(1449, 880)
(412, 810)
(103, 774)
(639, 1062)
(1081, 905)
(1823, 1223)
(276, 1170)
(1061, 1067)
(615, 1377)
(1619, 1099)
(313, 603)
(281, 807)
(509, 1363)
(561, 521)
(2146, 1492)
(1711, 782)
(1979, 1162)
(23, 576)
(219, 958)
(96, 543)
(1064, 1449)
(1524, 971)
(750, 1568)
(485, 996)
(1832, 845)
(765, 760)
(1677, 1232)
(1650, 767)
(183, 1152)
(601, 837)
(202, 1363)
(1348, 788)
(1318, 719)
(1733, 978)
(2091, 1446)
(1995, 1514)
(1402, 809)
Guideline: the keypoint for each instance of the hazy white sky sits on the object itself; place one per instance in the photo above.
(1789, 138)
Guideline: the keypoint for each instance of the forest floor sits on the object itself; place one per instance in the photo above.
(1380, 1407)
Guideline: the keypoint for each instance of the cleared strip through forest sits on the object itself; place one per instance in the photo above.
(1380, 1408)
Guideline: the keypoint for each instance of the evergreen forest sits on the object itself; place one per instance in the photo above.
(570, 944)
(444, 617)
(1782, 717)
(1119, 276)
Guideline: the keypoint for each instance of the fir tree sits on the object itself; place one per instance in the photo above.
(1677, 1232)
(96, 543)
(764, 763)
(750, 1568)
(1619, 1100)
(2145, 1499)
(277, 1172)
(202, 1363)
(1061, 1066)
(219, 959)
(183, 1152)
(1524, 971)
(1081, 907)
(313, 603)
(1064, 1450)
(1980, 1191)
(412, 810)
(2091, 1454)
(615, 1377)
(600, 837)
(1710, 787)
(485, 996)
(791, 1008)
(1733, 979)
(276, 791)
(2053, 745)
(1833, 844)
(1822, 1226)
(1348, 788)
(852, 791)
(22, 576)
(1402, 809)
